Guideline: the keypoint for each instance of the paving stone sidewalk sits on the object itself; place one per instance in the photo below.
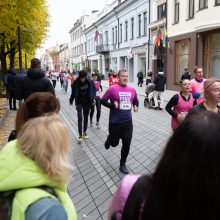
(96, 175)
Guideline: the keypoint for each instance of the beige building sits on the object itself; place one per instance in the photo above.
(194, 38)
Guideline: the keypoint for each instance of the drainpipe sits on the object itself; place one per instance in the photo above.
(149, 20)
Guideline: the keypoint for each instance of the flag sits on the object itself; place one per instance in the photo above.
(159, 37)
(96, 35)
(164, 37)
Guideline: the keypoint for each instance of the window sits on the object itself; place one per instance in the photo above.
(113, 35)
(132, 28)
(212, 55)
(176, 12)
(106, 37)
(191, 8)
(145, 23)
(161, 11)
(203, 4)
(183, 57)
(120, 33)
(126, 30)
(217, 2)
(116, 34)
(139, 25)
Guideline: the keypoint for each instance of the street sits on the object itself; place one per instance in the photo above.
(95, 175)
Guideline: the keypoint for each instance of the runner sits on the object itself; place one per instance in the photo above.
(113, 79)
(83, 91)
(121, 97)
(97, 101)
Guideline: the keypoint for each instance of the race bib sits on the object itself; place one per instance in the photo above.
(125, 100)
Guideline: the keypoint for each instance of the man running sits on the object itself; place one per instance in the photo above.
(84, 93)
(122, 97)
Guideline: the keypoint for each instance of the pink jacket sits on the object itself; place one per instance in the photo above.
(121, 195)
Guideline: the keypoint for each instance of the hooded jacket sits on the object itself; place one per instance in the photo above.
(11, 80)
(20, 173)
(160, 81)
(35, 81)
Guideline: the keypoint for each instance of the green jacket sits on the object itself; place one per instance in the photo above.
(19, 172)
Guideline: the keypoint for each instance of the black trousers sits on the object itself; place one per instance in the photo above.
(54, 83)
(98, 109)
(83, 115)
(12, 102)
(124, 132)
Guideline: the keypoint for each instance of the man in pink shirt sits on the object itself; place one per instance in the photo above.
(122, 98)
(197, 85)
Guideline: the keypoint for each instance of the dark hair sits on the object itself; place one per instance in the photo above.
(37, 104)
(185, 184)
(82, 74)
(196, 68)
(35, 63)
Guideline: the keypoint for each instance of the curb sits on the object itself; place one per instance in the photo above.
(4, 116)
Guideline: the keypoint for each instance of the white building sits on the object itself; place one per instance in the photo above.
(78, 42)
(118, 38)
(64, 56)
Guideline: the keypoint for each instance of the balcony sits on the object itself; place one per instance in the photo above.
(102, 48)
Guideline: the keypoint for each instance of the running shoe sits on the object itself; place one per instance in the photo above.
(85, 135)
(107, 144)
(79, 140)
(98, 125)
(123, 168)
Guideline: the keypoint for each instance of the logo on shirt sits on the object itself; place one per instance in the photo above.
(125, 100)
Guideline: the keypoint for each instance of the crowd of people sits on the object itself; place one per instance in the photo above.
(36, 169)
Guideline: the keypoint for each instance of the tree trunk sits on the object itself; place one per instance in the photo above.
(12, 58)
(3, 59)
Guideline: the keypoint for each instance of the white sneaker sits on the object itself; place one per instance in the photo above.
(85, 135)
(79, 140)
(98, 125)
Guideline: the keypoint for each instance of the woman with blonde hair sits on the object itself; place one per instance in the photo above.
(35, 162)
(37, 104)
(212, 96)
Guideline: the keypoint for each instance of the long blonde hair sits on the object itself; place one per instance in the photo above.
(46, 141)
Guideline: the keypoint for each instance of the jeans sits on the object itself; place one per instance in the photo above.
(83, 114)
(46, 209)
(98, 109)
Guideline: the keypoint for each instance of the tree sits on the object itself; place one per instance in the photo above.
(31, 16)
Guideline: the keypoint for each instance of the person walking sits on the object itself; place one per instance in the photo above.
(11, 79)
(97, 101)
(65, 81)
(84, 93)
(197, 85)
(35, 81)
(159, 81)
(54, 78)
(36, 166)
(122, 97)
(180, 104)
(140, 77)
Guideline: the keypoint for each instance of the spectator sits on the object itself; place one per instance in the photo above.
(11, 82)
(35, 81)
(159, 81)
(186, 74)
(140, 77)
(113, 80)
(21, 74)
(186, 181)
(36, 105)
(149, 77)
(37, 166)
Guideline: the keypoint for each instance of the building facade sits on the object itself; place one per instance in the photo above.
(194, 38)
(118, 38)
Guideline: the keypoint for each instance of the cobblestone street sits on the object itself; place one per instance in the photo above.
(95, 176)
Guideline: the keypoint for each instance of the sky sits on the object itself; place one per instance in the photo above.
(64, 14)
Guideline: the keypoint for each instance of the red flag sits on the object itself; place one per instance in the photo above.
(96, 35)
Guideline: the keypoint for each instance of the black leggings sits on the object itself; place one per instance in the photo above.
(122, 131)
(98, 109)
(82, 112)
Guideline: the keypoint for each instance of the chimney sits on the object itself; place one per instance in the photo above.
(94, 11)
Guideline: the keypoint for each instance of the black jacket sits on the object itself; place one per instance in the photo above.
(87, 88)
(35, 81)
(160, 81)
(11, 82)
